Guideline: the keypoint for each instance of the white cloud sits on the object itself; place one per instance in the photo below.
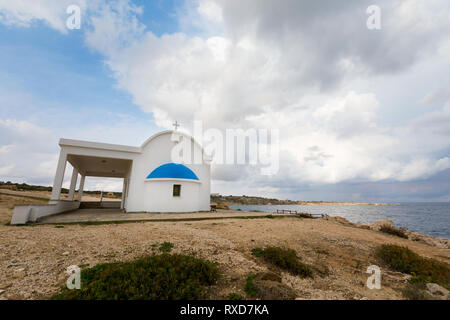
(25, 150)
(113, 25)
(210, 10)
(25, 13)
(422, 168)
(5, 149)
(269, 69)
(6, 170)
(309, 68)
(438, 95)
(20, 127)
(104, 184)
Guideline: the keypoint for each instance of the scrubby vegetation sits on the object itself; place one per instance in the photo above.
(234, 296)
(393, 231)
(286, 259)
(249, 288)
(423, 270)
(159, 277)
(166, 247)
(26, 187)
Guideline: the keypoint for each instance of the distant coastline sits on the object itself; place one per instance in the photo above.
(215, 198)
(317, 203)
(261, 201)
(342, 203)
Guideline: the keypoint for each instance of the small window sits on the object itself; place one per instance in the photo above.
(176, 190)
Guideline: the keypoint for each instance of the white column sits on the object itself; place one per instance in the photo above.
(122, 203)
(124, 192)
(81, 188)
(59, 176)
(73, 184)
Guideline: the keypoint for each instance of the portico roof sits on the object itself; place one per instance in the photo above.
(98, 145)
(100, 166)
(97, 159)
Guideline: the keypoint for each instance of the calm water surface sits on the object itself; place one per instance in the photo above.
(429, 218)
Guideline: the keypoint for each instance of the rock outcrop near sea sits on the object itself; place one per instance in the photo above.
(413, 236)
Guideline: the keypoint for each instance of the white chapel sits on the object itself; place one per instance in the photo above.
(152, 181)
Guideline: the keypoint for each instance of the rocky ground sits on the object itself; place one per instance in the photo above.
(33, 259)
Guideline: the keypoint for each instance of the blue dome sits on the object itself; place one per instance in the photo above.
(172, 171)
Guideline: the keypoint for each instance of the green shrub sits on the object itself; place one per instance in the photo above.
(250, 286)
(160, 277)
(423, 270)
(234, 296)
(257, 252)
(393, 231)
(166, 247)
(285, 259)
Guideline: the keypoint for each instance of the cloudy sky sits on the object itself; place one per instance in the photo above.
(363, 115)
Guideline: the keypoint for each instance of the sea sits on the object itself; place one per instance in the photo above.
(431, 218)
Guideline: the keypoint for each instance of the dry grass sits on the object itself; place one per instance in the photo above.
(393, 231)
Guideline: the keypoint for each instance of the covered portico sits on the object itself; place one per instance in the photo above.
(90, 159)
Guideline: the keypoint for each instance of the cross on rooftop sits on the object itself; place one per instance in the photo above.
(176, 125)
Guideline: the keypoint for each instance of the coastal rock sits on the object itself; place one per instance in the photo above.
(430, 240)
(380, 223)
(341, 221)
(377, 225)
(219, 205)
(413, 236)
(436, 292)
(397, 276)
